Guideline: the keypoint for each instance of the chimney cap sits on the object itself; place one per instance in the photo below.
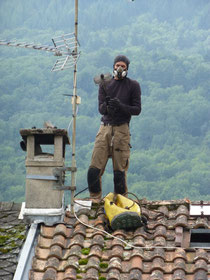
(45, 135)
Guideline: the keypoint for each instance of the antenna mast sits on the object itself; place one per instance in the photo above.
(74, 105)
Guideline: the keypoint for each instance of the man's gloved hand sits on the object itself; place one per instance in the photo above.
(104, 106)
(111, 110)
(107, 100)
(115, 103)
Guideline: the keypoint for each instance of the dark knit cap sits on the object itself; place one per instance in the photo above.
(122, 58)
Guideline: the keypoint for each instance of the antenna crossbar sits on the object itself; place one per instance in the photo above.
(28, 45)
(65, 62)
(64, 45)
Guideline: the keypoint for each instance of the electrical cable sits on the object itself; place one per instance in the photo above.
(70, 123)
(115, 237)
(109, 234)
(81, 191)
(133, 200)
(126, 243)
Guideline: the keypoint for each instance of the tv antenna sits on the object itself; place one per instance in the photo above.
(66, 47)
(63, 46)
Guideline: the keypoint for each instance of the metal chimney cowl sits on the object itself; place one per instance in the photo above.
(44, 202)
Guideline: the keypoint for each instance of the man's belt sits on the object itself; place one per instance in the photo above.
(111, 124)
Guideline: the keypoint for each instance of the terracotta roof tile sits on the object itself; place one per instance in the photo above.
(78, 239)
(181, 220)
(179, 274)
(38, 265)
(98, 239)
(201, 254)
(180, 253)
(160, 230)
(75, 250)
(202, 223)
(156, 275)
(183, 210)
(96, 250)
(135, 274)
(179, 264)
(159, 241)
(56, 251)
(117, 240)
(50, 274)
(80, 229)
(113, 274)
(61, 229)
(115, 263)
(81, 252)
(117, 251)
(41, 253)
(70, 273)
(44, 242)
(93, 262)
(47, 231)
(52, 262)
(139, 241)
(136, 262)
(92, 274)
(59, 240)
(179, 236)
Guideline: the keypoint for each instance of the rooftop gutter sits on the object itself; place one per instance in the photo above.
(27, 253)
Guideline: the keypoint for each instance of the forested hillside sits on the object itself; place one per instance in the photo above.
(168, 43)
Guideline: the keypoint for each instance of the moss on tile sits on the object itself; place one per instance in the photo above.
(85, 251)
(81, 270)
(10, 238)
(104, 248)
(103, 265)
(91, 218)
(21, 237)
(102, 278)
(83, 261)
(4, 251)
(4, 239)
(8, 244)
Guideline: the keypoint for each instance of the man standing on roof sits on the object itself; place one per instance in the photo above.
(118, 100)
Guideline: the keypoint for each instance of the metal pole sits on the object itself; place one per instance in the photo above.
(74, 105)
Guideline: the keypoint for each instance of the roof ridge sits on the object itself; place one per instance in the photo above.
(10, 206)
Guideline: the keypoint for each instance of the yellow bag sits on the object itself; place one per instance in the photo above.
(123, 213)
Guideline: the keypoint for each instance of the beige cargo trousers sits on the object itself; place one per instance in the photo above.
(112, 141)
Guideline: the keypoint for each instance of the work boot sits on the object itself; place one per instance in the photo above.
(96, 197)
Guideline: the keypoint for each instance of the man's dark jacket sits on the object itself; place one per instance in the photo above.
(129, 94)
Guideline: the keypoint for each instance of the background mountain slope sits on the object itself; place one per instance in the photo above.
(168, 43)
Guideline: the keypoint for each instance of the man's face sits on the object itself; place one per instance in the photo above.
(121, 66)
(120, 63)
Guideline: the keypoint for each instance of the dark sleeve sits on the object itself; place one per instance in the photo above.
(102, 107)
(135, 105)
